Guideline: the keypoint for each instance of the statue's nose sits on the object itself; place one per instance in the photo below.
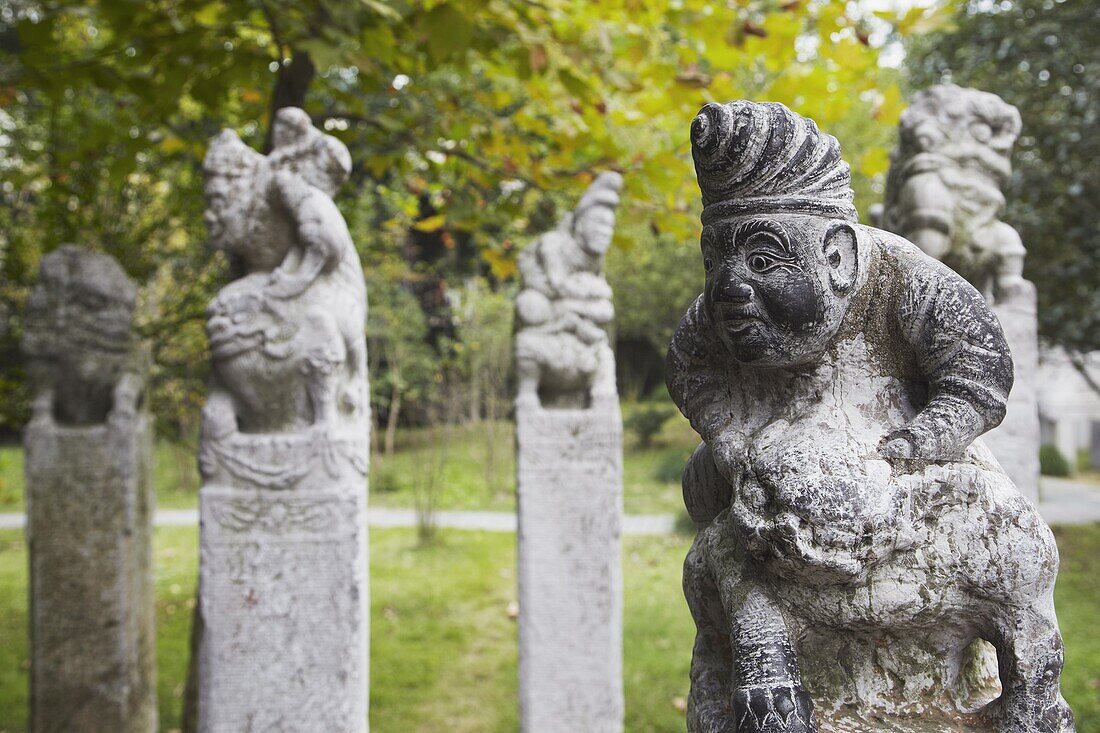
(735, 292)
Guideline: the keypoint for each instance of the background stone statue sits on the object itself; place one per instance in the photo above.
(563, 354)
(858, 548)
(282, 621)
(89, 501)
(569, 477)
(84, 362)
(944, 194)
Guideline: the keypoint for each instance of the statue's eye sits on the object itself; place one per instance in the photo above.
(708, 264)
(762, 261)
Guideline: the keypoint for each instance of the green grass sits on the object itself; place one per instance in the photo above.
(444, 646)
(176, 476)
(1077, 598)
(470, 467)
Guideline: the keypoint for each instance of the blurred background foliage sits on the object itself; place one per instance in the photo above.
(473, 126)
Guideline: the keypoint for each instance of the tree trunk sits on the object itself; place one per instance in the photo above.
(291, 85)
(391, 422)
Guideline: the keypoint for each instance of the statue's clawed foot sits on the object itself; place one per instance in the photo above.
(1017, 716)
(785, 709)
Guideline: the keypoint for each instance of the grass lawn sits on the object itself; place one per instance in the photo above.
(470, 467)
(444, 647)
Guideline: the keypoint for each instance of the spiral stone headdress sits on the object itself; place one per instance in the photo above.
(761, 158)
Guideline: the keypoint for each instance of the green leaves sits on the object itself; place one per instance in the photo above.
(448, 32)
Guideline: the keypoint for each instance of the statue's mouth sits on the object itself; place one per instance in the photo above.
(737, 324)
(232, 345)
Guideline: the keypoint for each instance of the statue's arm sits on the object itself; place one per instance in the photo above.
(126, 396)
(706, 492)
(927, 207)
(961, 350)
(322, 234)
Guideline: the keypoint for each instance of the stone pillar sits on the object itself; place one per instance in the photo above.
(282, 622)
(944, 193)
(569, 464)
(570, 576)
(88, 453)
(1015, 442)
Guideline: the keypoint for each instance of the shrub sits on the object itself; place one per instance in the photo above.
(647, 421)
(1052, 462)
(670, 466)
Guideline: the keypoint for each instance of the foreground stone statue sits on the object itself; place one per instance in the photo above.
(282, 620)
(569, 444)
(89, 501)
(944, 193)
(862, 563)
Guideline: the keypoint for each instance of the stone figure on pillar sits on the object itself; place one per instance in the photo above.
(569, 477)
(944, 194)
(282, 621)
(563, 355)
(862, 563)
(84, 362)
(89, 500)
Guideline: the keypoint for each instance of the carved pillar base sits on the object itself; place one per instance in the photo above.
(283, 594)
(570, 574)
(89, 513)
(1015, 442)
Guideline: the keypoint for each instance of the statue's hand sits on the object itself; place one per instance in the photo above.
(896, 447)
(285, 285)
(905, 445)
(773, 709)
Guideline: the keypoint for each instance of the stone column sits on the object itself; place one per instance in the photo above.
(944, 193)
(282, 623)
(1016, 441)
(569, 463)
(88, 453)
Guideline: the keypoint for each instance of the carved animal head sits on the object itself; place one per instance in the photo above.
(81, 310)
(780, 246)
(242, 320)
(961, 124)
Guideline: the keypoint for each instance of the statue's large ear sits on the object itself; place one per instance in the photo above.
(841, 248)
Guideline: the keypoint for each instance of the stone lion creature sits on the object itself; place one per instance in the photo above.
(563, 357)
(858, 550)
(84, 362)
(943, 191)
(287, 336)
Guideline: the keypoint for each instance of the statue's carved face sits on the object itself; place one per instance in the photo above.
(595, 228)
(777, 288)
(229, 200)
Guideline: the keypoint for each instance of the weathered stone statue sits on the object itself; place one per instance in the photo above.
(944, 193)
(283, 594)
(858, 549)
(89, 501)
(563, 357)
(569, 444)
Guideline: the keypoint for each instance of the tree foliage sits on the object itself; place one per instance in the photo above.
(1044, 57)
(472, 123)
